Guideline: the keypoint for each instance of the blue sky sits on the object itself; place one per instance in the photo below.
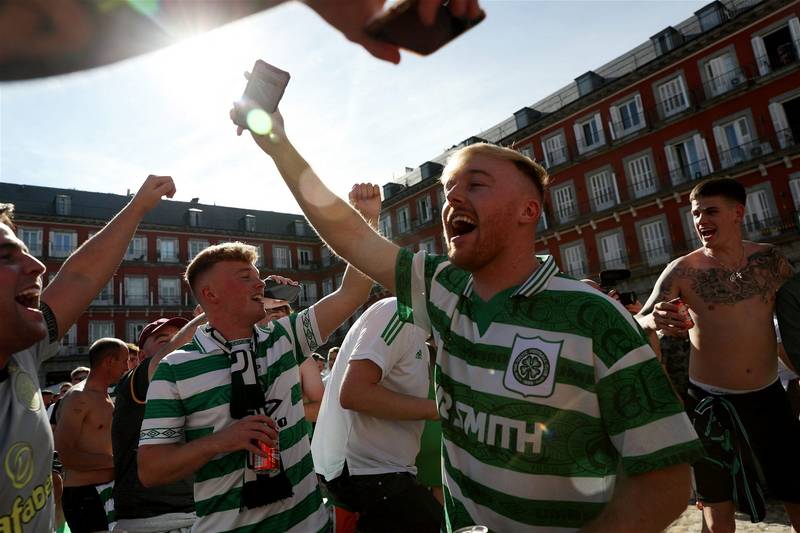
(354, 118)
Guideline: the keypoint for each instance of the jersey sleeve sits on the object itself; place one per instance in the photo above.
(642, 414)
(413, 276)
(164, 414)
(304, 332)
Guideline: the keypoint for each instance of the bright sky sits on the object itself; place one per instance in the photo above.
(353, 117)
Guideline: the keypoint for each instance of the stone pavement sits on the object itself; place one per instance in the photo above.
(775, 522)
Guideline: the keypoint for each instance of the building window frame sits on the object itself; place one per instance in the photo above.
(167, 250)
(574, 260)
(195, 246)
(565, 206)
(403, 219)
(612, 260)
(660, 254)
(720, 72)
(737, 128)
(627, 116)
(640, 174)
(99, 329)
(34, 245)
(554, 148)
(281, 257)
(681, 168)
(424, 209)
(169, 290)
(137, 249)
(136, 297)
(589, 128)
(671, 95)
(62, 243)
(106, 294)
(602, 196)
(305, 258)
(760, 221)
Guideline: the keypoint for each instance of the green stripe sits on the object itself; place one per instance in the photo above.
(403, 273)
(455, 514)
(291, 436)
(636, 396)
(572, 443)
(222, 502)
(208, 399)
(392, 329)
(222, 466)
(199, 366)
(298, 471)
(543, 513)
(164, 409)
(164, 373)
(287, 519)
(685, 453)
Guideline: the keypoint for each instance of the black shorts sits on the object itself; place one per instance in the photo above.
(84, 509)
(390, 503)
(774, 435)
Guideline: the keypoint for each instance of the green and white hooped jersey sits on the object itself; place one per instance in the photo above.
(541, 391)
(189, 398)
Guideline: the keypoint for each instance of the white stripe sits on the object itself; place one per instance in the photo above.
(490, 381)
(418, 292)
(655, 436)
(575, 347)
(485, 516)
(231, 519)
(531, 486)
(634, 357)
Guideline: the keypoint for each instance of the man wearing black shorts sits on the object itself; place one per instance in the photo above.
(736, 402)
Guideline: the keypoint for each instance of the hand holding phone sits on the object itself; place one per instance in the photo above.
(280, 291)
(402, 25)
(265, 87)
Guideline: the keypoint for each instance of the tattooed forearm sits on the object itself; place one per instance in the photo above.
(761, 277)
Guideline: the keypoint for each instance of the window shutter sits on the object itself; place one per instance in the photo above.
(722, 141)
(794, 29)
(546, 157)
(760, 52)
(614, 185)
(616, 122)
(639, 108)
(672, 163)
(702, 148)
(743, 131)
(598, 120)
(579, 137)
(780, 123)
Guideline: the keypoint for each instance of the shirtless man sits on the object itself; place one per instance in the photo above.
(729, 287)
(83, 440)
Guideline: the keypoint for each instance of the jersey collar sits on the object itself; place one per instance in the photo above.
(535, 284)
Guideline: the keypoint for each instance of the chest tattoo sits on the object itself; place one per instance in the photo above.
(760, 278)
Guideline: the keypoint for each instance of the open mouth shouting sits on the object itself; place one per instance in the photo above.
(29, 298)
(706, 233)
(459, 225)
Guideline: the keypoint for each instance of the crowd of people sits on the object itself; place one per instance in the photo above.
(490, 390)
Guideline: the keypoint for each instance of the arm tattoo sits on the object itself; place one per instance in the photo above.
(761, 277)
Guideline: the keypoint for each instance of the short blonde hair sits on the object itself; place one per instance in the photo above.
(217, 253)
(524, 164)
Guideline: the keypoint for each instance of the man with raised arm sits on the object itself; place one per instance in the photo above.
(34, 320)
(543, 384)
(737, 402)
(235, 384)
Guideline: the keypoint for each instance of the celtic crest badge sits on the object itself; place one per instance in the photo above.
(531, 366)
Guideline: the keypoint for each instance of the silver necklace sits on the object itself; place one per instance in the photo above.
(735, 273)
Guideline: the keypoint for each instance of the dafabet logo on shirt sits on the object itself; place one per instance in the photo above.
(531, 369)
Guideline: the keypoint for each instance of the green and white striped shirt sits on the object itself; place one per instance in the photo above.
(189, 398)
(541, 391)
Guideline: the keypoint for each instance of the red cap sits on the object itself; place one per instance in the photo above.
(152, 327)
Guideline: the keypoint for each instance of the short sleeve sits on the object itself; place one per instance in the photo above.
(396, 338)
(164, 414)
(643, 416)
(413, 275)
(304, 331)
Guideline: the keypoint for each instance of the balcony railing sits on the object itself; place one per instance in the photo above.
(136, 299)
(786, 138)
(690, 172)
(557, 157)
(632, 124)
(725, 82)
(169, 300)
(596, 142)
(743, 153)
(674, 105)
(612, 263)
(784, 56)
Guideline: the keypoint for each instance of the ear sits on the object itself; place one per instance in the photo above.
(740, 213)
(531, 212)
(207, 294)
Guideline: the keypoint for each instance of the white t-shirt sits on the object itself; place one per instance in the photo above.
(373, 445)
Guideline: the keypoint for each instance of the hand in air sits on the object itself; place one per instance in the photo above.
(366, 199)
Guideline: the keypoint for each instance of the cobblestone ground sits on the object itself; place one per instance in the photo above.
(776, 521)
